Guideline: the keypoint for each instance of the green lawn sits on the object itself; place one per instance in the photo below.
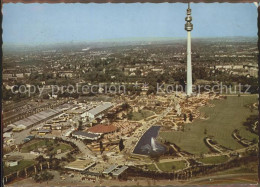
(167, 166)
(34, 144)
(22, 165)
(214, 160)
(151, 167)
(226, 116)
(171, 166)
(137, 116)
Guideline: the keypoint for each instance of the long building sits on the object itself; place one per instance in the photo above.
(80, 165)
(99, 111)
(85, 135)
(38, 118)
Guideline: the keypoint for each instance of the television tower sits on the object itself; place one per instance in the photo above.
(188, 28)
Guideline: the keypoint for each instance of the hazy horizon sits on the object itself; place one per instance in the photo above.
(131, 40)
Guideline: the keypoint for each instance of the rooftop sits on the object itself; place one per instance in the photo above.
(14, 158)
(86, 134)
(100, 108)
(41, 116)
(119, 171)
(44, 131)
(110, 169)
(80, 164)
(102, 129)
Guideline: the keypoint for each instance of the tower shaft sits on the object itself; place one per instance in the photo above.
(189, 67)
(188, 28)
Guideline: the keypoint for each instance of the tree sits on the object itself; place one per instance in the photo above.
(155, 156)
(101, 147)
(125, 106)
(121, 145)
(80, 125)
(43, 176)
(171, 150)
(69, 157)
(185, 117)
(45, 96)
(40, 159)
(254, 141)
(191, 117)
(55, 141)
(105, 158)
(56, 164)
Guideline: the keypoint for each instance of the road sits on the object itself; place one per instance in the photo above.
(20, 136)
(86, 152)
(229, 176)
(26, 156)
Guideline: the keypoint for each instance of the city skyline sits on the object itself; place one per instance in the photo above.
(48, 24)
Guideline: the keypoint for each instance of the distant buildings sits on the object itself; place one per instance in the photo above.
(239, 69)
(66, 74)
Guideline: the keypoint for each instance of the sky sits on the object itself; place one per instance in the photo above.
(54, 23)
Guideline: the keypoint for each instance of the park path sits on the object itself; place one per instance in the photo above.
(155, 164)
(178, 153)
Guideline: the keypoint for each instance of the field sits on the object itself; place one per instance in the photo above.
(214, 160)
(224, 117)
(21, 165)
(53, 147)
(137, 116)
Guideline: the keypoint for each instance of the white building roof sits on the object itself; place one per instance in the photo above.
(110, 169)
(100, 108)
(41, 116)
(119, 171)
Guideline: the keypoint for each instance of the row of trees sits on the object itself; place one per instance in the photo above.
(190, 117)
(198, 170)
